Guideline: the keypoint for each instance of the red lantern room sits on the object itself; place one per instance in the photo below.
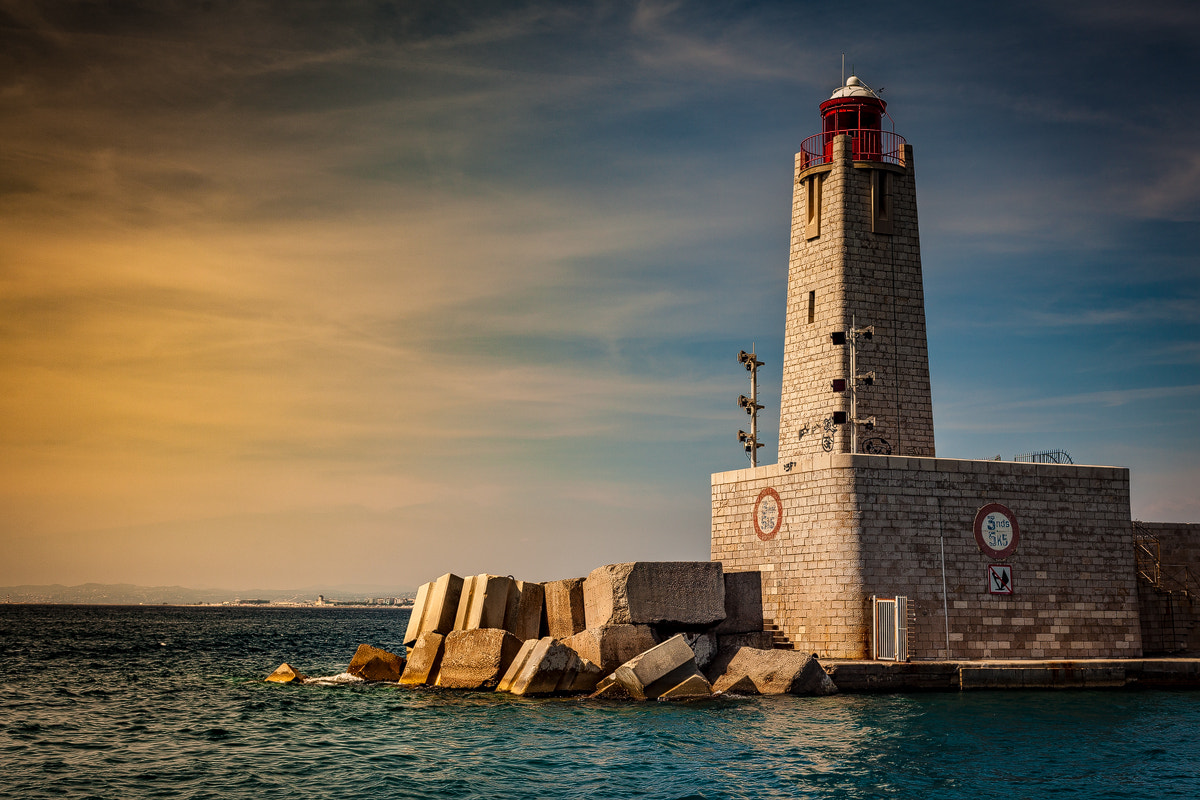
(854, 110)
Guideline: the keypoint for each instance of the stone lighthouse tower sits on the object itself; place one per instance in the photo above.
(855, 269)
(866, 544)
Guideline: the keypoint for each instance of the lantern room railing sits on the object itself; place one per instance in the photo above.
(867, 145)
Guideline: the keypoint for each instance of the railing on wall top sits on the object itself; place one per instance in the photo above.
(866, 145)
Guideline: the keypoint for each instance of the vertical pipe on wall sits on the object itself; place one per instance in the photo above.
(945, 603)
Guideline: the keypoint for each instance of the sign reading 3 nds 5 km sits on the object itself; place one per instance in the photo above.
(996, 530)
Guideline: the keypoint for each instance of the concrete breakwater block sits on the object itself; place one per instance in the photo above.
(610, 646)
(476, 659)
(424, 660)
(547, 666)
(285, 673)
(654, 592)
(660, 669)
(704, 647)
(373, 664)
(564, 608)
(526, 612)
(743, 603)
(753, 671)
(484, 602)
(435, 608)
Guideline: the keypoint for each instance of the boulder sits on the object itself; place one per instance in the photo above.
(483, 602)
(753, 671)
(435, 608)
(547, 666)
(373, 664)
(526, 610)
(647, 676)
(564, 608)
(424, 659)
(610, 646)
(655, 592)
(285, 673)
(743, 603)
(476, 659)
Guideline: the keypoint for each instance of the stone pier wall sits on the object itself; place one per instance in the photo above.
(854, 526)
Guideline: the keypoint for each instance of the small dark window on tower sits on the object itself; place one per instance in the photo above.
(812, 307)
(881, 201)
(812, 227)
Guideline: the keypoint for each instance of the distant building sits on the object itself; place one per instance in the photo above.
(869, 546)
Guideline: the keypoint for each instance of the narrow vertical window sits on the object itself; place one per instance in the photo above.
(812, 307)
(812, 227)
(881, 201)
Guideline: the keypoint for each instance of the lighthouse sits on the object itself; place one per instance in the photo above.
(855, 265)
(865, 543)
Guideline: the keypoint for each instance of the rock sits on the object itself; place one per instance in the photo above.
(476, 659)
(654, 592)
(564, 608)
(424, 660)
(484, 602)
(547, 666)
(753, 671)
(435, 608)
(526, 611)
(285, 673)
(610, 646)
(743, 603)
(658, 669)
(373, 664)
(692, 686)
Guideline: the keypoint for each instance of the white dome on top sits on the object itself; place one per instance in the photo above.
(853, 88)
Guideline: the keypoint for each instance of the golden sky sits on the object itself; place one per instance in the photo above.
(367, 292)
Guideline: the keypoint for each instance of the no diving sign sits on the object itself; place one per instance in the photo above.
(1000, 578)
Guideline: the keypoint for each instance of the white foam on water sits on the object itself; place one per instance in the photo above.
(334, 680)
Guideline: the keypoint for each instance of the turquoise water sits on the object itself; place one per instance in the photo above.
(169, 702)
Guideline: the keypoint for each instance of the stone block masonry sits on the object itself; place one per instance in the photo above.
(856, 526)
(842, 271)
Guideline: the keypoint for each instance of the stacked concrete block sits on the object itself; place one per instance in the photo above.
(547, 666)
(435, 608)
(484, 602)
(743, 604)
(661, 669)
(688, 593)
(424, 660)
(610, 646)
(374, 664)
(526, 611)
(753, 671)
(476, 659)
(564, 608)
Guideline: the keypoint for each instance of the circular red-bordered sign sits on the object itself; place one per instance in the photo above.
(768, 514)
(996, 530)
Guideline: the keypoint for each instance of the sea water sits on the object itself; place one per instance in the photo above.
(131, 702)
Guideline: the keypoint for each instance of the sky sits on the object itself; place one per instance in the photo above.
(359, 293)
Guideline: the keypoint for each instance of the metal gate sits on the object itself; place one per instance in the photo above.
(891, 628)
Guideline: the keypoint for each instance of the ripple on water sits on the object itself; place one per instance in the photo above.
(194, 719)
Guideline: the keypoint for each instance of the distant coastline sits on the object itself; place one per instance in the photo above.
(123, 594)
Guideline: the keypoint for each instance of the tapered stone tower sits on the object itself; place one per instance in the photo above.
(855, 262)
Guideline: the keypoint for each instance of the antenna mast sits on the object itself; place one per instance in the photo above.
(750, 440)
